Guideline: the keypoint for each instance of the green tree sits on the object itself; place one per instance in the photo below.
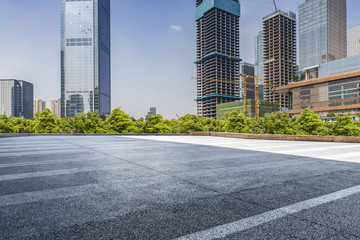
(64, 125)
(309, 123)
(236, 122)
(346, 126)
(156, 124)
(44, 122)
(5, 125)
(119, 122)
(331, 114)
(189, 123)
(279, 123)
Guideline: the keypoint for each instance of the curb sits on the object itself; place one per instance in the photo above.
(280, 137)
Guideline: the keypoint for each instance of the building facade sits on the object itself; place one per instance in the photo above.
(39, 106)
(247, 69)
(85, 57)
(218, 52)
(55, 107)
(353, 41)
(259, 55)
(337, 93)
(340, 66)
(322, 32)
(16, 98)
(279, 31)
(152, 111)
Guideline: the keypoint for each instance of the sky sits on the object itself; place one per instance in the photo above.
(152, 47)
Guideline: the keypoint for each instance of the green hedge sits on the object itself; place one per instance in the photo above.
(308, 123)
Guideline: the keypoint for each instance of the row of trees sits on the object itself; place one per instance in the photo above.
(308, 123)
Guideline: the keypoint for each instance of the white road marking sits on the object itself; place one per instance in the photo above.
(107, 167)
(250, 222)
(347, 152)
(30, 197)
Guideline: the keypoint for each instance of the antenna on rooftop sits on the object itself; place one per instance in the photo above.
(275, 6)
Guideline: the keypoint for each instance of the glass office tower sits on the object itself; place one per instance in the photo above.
(353, 41)
(85, 57)
(16, 98)
(322, 32)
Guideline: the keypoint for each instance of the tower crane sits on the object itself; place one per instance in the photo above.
(256, 87)
(245, 83)
(275, 6)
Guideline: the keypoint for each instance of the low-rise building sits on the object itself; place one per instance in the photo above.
(264, 107)
(339, 93)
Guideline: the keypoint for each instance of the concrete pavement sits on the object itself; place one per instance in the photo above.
(154, 187)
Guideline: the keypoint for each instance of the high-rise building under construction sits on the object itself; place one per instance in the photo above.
(218, 52)
(279, 46)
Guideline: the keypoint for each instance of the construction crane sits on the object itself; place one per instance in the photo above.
(216, 80)
(245, 83)
(275, 6)
(256, 87)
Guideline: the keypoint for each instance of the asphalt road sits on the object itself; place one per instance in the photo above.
(108, 187)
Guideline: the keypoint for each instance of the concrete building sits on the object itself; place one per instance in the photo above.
(337, 93)
(353, 41)
(248, 69)
(39, 106)
(279, 29)
(55, 107)
(16, 98)
(85, 57)
(152, 111)
(218, 52)
(322, 32)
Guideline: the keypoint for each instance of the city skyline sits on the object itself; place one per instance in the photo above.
(142, 74)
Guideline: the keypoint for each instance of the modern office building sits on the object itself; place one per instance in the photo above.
(16, 98)
(39, 106)
(152, 111)
(337, 93)
(247, 69)
(259, 55)
(218, 52)
(353, 41)
(55, 107)
(279, 29)
(340, 66)
(85, 57)
(322, 32)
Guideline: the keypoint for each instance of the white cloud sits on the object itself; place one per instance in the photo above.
(176, 28)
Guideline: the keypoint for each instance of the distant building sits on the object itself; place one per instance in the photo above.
(218, 54)
(279, 29)
(259, 55)
(16, 98)
(55, 107)
(322, 32)
(337, 94)
(353, 41)
(152, 111)
(85, 57)
(39, 106)
(248, 69)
